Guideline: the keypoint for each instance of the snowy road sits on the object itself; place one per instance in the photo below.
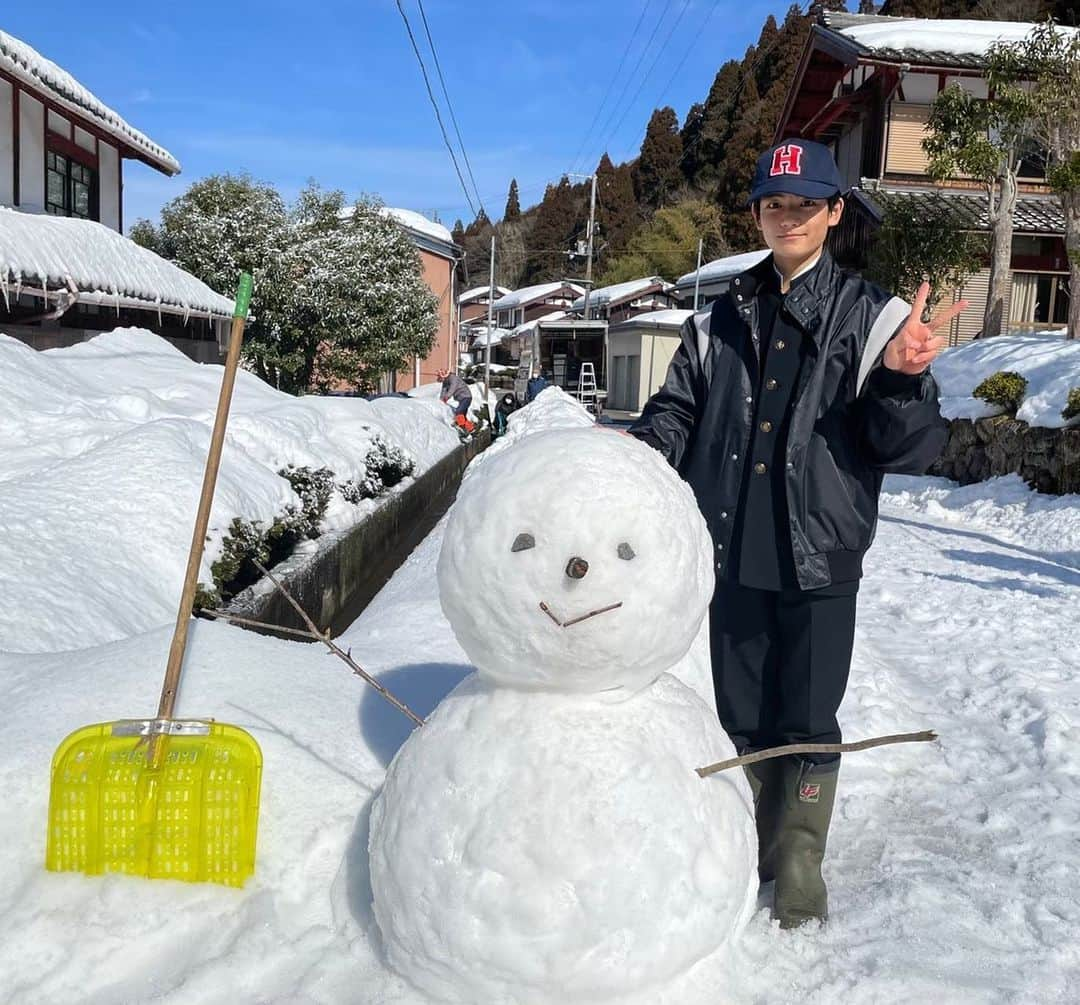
(952, 868)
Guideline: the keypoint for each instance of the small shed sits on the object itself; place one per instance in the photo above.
(639, 352)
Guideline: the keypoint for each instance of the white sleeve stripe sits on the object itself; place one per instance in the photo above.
(888, 321)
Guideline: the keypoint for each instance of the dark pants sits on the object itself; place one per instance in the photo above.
(780, 662)
(463, 406)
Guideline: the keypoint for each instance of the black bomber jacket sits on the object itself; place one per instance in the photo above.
(852, 419)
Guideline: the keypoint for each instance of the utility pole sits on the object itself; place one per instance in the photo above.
(697, 275)
(491, 326)
(589, 235)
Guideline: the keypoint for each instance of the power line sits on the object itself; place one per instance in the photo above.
(449, 105)
(611, 83)
(648, 73)
(434, 104)
(637, 65)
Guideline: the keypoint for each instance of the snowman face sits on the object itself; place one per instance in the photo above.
(575, 560)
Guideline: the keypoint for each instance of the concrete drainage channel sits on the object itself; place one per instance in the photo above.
(339, 580)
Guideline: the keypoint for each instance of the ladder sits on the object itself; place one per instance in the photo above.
(586, 388)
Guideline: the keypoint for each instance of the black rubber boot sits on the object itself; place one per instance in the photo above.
(808, 793)
(765, 784)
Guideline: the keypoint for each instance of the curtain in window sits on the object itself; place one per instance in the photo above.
(1024, 296)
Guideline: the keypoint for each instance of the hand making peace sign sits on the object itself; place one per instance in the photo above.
(912, 349)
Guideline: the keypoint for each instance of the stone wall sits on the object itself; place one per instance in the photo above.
(1047, 459)
(348, 568)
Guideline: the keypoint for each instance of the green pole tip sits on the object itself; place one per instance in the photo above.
(243, 296)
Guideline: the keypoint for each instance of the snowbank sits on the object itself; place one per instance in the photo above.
(105, 446)
(1049, 361)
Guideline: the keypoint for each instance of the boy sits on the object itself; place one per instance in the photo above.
(787, 401)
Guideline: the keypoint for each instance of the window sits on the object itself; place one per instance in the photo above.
(1039, 298)
(70, 187)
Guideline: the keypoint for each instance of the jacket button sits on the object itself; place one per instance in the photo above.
(766, 426)
(749, 401)
(791, 465)
(771, 384)
(780, 343)
(734, 457)
(719, 547)
(723, 515)
(760, 468)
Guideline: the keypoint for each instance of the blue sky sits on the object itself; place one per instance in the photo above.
(332, 90)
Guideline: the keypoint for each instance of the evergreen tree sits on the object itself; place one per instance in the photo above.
(513, 207)
(867, 7)
(706, 134)
(552, 234)
(659, 168)
(617, 215)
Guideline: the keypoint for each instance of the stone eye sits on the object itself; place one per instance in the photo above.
(626, 552)
(523, 542)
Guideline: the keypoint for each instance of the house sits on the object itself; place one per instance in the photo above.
(713, 278)
(623, 300)
(864, 86)
(438, 259)
(66, 270)
(639, 350)
(532, 302)
(472, 312)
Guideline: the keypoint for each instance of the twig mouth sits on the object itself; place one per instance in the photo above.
(576, 621)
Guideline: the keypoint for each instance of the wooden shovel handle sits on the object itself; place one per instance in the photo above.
(202, 518)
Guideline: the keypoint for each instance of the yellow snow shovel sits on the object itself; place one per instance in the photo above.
(164, 798)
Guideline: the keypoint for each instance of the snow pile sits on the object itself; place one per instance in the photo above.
(1049, 361)
(551, 409)
(1005, 506)
(543, 838)
(26, 64)
(105, 446)
(957, 37)
(38, 251)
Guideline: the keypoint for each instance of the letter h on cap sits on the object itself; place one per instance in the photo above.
(786, 160)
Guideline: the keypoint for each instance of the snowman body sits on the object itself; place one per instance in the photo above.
(544, 837)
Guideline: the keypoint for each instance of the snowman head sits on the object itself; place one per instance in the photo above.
(575, 560)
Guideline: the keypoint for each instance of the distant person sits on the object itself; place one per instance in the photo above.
(536, 384)
(507, 404)
(454, 387)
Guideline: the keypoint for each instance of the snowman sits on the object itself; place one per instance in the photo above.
(544, 837)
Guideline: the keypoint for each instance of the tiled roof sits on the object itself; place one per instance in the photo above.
(923, 41)
(1035, 214)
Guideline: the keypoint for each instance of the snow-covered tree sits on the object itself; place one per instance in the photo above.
(337, 298)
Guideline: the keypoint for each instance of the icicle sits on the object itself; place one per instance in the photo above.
(158, 302)
(18, 285)
(4, 289)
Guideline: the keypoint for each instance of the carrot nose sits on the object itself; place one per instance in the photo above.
(576, 568)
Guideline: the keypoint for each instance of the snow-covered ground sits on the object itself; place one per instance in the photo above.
(104, 444)
(952, 867)
(1049, 362)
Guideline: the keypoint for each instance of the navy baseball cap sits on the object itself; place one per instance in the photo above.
(796, 167)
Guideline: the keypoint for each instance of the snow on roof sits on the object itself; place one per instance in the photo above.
(620, 292)
(955, 41)
(480, 292)
(45, 251)
(530, 294)
(672, 318)
(412, 220)
(724, 268)
(530, 326)
(28, 66)
(495, 336)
